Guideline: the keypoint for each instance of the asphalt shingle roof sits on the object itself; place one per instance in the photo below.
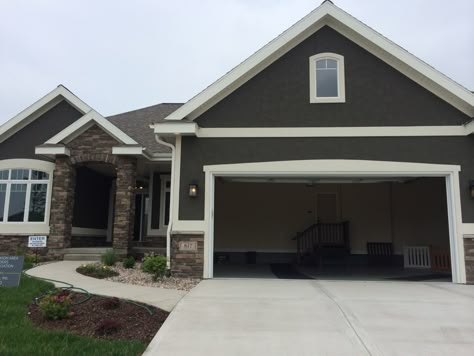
(137, 123)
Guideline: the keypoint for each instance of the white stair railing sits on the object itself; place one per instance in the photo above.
(417, 257)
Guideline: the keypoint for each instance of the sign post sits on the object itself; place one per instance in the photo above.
(37, 242)
(10, 270)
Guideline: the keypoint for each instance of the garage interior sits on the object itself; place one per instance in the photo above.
(332, 228)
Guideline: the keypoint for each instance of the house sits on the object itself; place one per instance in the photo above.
(331, 141)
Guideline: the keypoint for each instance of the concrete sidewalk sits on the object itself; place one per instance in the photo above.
(65, 271)
(309, 317)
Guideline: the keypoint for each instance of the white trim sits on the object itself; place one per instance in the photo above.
(351, 131)
(173, 128)
(52, 150)
(84, 123)
(40, 107)
(468, 230)
(363, 35)
(85, 231)
(341, 86)
(24, 229)
(367, 131)
(128, 150)
(348, 168)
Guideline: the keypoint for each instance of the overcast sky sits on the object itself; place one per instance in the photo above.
(123, 55)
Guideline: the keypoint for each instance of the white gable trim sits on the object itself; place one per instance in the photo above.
(40, 107)
(84, 123)
(363, 35)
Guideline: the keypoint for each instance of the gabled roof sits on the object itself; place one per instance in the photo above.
(330, 15)
(38, 108)
(90, 119)
(137, 123)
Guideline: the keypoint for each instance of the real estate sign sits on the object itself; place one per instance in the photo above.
(10, 270)
(37, 241)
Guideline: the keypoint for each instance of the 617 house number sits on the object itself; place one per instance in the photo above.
(187, 246)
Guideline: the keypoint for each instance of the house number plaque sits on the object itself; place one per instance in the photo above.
(187, 246)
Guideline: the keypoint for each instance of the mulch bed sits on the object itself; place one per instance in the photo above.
(100, 274)
(135, 323)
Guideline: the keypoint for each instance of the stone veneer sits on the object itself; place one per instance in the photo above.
(15, 244)
(469, 259)
(94, 145)
(187, 263)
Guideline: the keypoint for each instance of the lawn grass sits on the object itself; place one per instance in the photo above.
(18, 336)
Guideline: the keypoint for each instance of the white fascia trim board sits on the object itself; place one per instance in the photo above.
(173, 128)
(468, 230)
(329, 14)
(128, 150)
(37, 164)
(85, 122)
(40, 107)
(368, 131)
(24, 229)
(52, 150)
(331, 167)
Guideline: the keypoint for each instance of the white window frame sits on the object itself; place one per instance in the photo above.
(26, 227)
(161, 231)
(341, 89)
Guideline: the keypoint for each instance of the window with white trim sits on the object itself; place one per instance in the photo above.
(326, 73)
(23, 195)
(162, 205)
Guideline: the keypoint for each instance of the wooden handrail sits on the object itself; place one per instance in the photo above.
(320, 235)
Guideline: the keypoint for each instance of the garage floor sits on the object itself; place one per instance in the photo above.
(360, 273)
(310, 317)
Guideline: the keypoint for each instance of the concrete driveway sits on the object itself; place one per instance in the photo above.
(309, 317)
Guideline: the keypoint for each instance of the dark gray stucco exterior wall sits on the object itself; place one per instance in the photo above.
(376, 94)
(437, 150)
(22, 144)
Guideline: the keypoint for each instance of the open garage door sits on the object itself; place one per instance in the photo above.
(386, 228)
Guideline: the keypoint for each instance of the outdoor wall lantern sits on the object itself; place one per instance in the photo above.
(193, 190)
(471, 188)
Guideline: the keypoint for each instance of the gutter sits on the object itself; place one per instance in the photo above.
(170, 222)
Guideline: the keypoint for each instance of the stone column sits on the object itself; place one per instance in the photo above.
(62, 205)
(469, 258)
(124, 212)
(187, 255)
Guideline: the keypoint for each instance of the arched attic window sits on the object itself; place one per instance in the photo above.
(326, 73)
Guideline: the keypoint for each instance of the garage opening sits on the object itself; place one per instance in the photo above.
(335, 228)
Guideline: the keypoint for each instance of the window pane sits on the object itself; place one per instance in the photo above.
(37, 202)
(3, 192)
(331, 63)
(167, 207)
(4, 175)
(38, 175)
(21, 174)
(168, 184)
(321, 64)
(16, 208)
(326, 83)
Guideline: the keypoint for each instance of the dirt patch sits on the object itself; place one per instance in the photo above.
(95, 318)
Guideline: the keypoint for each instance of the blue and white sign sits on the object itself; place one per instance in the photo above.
(10, 270)
(37, 241)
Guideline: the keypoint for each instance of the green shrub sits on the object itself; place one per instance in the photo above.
(129, 262)
(109, 258)
(56, 304)
(155, 265)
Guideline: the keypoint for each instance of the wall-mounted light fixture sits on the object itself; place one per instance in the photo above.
(193, 190)
(471, 188)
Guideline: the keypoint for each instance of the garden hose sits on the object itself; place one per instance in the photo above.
(89, 295)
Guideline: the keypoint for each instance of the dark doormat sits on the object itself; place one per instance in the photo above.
(287, 271)
(421, 277)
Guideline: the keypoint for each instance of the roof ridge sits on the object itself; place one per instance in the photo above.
(143, 108)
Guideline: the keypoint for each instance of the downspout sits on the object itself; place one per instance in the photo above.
(170, 222)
